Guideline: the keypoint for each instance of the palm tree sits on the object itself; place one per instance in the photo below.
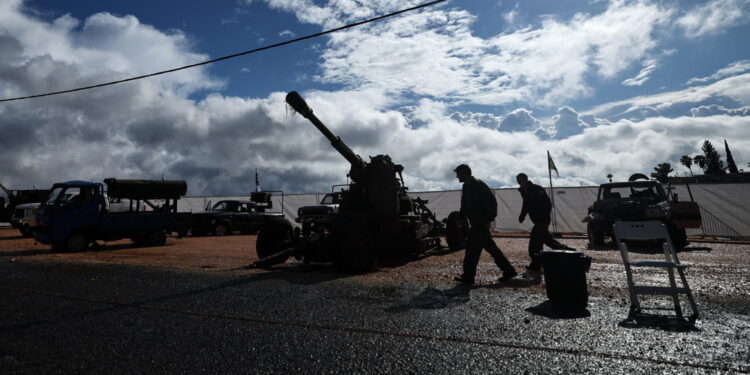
(687, 161)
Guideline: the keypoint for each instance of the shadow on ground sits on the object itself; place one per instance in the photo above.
(432, 298)
(12, 238)
(550, 310)
(662, 322)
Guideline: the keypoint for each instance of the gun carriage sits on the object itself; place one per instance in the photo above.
(376, 217)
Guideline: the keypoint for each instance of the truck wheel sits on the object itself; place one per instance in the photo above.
(77, 242)
(222, 229)
(25, 231)
(157, 238)
(271, 239)
(456, 228)
(596, 237)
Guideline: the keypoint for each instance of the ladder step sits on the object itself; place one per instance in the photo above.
(656, 263)
(658, 290)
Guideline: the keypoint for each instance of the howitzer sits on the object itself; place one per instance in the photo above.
(376, 217)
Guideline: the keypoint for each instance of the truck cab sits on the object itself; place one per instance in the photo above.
(73, 206)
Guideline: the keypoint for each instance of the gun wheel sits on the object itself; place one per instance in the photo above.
(356, 252)
(272, 238)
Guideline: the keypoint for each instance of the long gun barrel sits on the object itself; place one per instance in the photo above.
(299, 105)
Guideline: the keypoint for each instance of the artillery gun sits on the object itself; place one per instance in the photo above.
(376, 218)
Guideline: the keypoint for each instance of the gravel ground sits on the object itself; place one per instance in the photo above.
(191, 307)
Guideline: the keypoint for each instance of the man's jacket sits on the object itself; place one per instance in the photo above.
(478, 202)
(536, 203)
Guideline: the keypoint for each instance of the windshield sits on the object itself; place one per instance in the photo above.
(330, 199)
(62, 194)
(630, 192)
(53, 195)
(226, 206)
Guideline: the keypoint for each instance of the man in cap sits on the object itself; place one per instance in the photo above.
(479, 206)
(537, 205)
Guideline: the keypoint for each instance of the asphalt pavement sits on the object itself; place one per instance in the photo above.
(58, 317)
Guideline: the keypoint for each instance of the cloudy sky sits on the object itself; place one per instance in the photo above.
(606, 86)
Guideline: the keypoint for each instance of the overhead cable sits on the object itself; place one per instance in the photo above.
(232, 55)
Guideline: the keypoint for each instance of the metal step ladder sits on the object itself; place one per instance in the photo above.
(653, 231)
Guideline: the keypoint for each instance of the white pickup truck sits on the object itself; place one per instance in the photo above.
(24, 218)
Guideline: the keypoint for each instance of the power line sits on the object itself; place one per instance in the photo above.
(233, 55)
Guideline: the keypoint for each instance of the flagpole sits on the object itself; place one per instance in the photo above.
(552, 194)
(257, 181)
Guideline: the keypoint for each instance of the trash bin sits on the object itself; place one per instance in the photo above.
(565, 277)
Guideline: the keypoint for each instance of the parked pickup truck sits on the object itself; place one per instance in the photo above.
(76, 213)
(24, 218)
(228, 216)
(9, 199)
(317, 218)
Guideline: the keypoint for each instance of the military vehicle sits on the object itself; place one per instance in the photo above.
(376, 218)
(229, 215)
(636, 200)
(318, 218)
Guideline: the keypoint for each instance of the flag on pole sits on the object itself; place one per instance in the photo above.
(551, 165)
(257, 181)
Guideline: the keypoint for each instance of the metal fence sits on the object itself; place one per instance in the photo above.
(712, 226)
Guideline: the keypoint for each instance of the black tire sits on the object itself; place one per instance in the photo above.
(222, 229)
(77, 242)
(679, 236)
(156, 238)
(456, 229)
(26, 231)
(272, 239)
(595, 234)
(355, 253)
(197, 233)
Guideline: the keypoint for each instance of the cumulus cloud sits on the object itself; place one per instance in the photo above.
(286, 34)
(519, 120)
(487, 120)
(713, 17)
(568, 122)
